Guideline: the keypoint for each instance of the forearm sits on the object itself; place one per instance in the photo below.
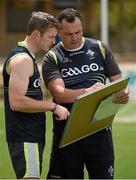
(116, 77)
(64, 95)
(61, 94)
(67, 95)
(26, 104)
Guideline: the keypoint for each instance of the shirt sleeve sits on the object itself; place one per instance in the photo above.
(111, 66)
(50, 69)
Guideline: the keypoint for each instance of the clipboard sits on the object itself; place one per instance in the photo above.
(92, 112)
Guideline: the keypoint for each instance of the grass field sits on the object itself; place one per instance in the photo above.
(124, 136)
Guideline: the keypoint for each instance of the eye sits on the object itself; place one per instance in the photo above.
(77, 32)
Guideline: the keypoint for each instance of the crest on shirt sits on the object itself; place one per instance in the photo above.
(66, 59)
(90, 53)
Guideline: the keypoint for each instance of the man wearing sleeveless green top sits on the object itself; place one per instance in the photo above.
(75, 66)
(24, 105)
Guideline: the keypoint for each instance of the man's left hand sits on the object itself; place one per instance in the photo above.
(121, 97)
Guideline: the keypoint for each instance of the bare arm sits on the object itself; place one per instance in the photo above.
(116, 77)
(65, 95)
(21, 69)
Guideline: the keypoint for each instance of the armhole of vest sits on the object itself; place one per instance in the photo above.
(102, 49)
(7, 65)
(32, 69)
(54, 56)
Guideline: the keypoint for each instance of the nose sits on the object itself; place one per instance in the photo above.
(74, 37)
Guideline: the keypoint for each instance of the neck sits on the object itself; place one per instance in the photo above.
(29, 41)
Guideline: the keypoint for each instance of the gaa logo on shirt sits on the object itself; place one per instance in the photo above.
(76, 71)
(37, 83)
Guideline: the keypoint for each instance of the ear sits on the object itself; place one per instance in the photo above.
(37, 34)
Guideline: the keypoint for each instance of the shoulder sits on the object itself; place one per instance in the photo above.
(54, 53)
(96, 44)
(91, 42)
(19, 52)
(21, 58)
(57, 49)
(20, 62)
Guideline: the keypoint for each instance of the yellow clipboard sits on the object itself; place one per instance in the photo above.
(92, 112)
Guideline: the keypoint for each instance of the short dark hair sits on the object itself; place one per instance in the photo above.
(69, 15)
(41, 21)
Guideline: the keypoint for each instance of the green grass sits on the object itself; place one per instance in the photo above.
(124, 137)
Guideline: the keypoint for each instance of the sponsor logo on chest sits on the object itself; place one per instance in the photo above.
(74, 71)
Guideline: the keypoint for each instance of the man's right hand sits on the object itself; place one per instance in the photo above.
(94, 86)
(61, 112)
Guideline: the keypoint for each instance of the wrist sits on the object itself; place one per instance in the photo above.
(54, 108)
